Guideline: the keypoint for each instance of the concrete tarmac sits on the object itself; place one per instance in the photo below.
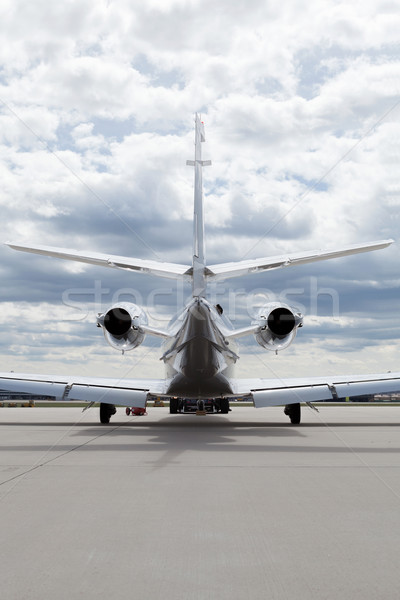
(181, 507)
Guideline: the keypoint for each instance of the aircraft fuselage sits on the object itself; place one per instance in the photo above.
(199, 360)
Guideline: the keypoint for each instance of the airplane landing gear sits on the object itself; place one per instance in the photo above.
(201, 408)
(173, 405)
(293, 411)
(224, 406)
(106, 412)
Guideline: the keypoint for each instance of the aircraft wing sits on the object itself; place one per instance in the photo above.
(276, 392)
(245, 267)
(122, 392)
(162, 269)
(264, 392)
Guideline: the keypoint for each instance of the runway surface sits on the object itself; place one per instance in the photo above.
(232, 506)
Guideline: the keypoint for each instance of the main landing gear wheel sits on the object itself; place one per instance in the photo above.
(173, 405)
(106, 412)
(224, 406)
(293, 411)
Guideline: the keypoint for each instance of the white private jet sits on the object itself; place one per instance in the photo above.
(199, 345)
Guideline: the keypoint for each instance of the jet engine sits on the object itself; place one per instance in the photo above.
(122, 326)
(277, 326)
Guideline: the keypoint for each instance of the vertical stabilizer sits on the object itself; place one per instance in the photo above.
(199, 262)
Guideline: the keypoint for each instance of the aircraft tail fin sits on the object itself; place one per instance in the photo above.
(199, 260)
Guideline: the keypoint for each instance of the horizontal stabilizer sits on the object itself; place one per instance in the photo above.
(256, 265)
(162, 269)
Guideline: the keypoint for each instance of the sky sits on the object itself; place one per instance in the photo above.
(301, 107)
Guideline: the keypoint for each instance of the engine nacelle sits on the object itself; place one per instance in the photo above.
(277, 326)
(122, 326)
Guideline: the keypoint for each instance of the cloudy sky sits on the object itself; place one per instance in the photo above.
(302, 111)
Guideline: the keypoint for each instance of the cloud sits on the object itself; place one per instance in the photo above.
(96, 123)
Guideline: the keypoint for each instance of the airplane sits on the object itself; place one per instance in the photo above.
(199, 345)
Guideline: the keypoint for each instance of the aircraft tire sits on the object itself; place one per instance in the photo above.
(173, 406)
(224, 406)
(106, 411)
(293, 411)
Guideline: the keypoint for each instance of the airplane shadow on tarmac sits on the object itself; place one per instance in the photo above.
(191, 421)
(179, 434)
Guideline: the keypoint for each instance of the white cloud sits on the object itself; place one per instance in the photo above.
(96, 124)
